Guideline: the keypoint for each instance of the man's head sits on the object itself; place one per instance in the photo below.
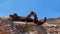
(13, 16)
(31, 12)
(10, 15)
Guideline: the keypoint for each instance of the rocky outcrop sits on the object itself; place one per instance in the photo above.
(52, 26)
(16, 27)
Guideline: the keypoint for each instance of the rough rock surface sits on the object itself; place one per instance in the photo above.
(15, 27)
(52, 26)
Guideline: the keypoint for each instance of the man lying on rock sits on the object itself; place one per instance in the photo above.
(15, 17)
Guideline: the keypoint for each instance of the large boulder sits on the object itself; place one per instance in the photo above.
(16, 27)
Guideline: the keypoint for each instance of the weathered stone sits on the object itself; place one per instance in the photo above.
(16, 27)
(58, 29)
(51, 29)
(10, 27)
(58, 32)
(53, 33)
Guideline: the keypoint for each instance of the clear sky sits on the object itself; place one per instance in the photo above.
(43, 8)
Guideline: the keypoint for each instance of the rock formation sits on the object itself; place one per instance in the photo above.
(17, 27)
(22, 25)
(51, 26)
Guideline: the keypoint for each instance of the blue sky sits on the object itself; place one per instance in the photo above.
(43, 8)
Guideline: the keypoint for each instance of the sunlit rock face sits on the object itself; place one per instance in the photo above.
(16, 27)
(52, 25)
